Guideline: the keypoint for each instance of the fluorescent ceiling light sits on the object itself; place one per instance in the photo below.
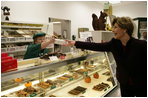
(114, 2)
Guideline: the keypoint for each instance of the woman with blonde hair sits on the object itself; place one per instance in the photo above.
(130, 55)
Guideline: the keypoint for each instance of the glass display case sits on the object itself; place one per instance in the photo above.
(79, 74)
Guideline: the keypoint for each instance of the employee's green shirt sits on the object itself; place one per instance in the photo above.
(34, 50)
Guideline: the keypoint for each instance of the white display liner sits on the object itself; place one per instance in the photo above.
(63, 92)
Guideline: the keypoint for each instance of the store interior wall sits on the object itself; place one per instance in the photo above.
(36, 11)
(79, 12)
(136, 9)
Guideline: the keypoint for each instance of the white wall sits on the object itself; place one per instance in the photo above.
(133, 10)
(79, 12)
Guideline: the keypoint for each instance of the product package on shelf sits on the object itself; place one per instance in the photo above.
(3, 49)
(7, 63)
(4, 54)
(4, 39)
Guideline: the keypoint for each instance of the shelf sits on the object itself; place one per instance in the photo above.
(16, 42)
(34, 69)
(5, 26)
(16, 51)
(21, 50)
(6, 40)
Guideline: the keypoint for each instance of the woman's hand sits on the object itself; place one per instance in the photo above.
(69, 43)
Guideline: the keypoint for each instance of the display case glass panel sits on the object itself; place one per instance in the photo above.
(86, 74)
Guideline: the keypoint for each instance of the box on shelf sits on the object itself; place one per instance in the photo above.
(6, 58)
(28, 39)
(11, 39)
(7, 63)
(11, 49)
(20, 39)
(3, 54)
(3, 49)
(4, 40)
(19, 48)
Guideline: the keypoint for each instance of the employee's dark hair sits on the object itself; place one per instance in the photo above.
(124, 23)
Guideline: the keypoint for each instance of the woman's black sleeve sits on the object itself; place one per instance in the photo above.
(106, 46)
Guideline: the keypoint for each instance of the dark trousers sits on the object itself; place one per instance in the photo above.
(133, 91)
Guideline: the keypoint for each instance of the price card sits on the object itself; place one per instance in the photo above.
(32, 95)
(53, 86)
(53, 58)
(70, 79)
(85, 73)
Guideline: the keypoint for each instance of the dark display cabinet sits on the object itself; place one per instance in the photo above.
(141, 28)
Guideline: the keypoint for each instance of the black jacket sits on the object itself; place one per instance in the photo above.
(131, 59)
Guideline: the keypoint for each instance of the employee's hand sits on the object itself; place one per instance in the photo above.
(52, 40)
(47, 42)
(69, 43)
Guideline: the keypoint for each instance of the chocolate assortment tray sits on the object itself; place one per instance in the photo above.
(77, 90)
(27, 92)
(49, 84)
(52, 96)
(81, 71)
(110, 79)
(44, 85)
(101, 86)
(107, 73)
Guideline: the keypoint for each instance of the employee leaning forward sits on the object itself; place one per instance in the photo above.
(38, 47)
(130, 55)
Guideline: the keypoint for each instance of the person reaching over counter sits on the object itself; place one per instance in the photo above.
(38, 47)
(130, 55)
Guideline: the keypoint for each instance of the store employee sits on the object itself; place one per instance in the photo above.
(38, 47)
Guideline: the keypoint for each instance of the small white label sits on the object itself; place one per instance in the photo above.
(53, 58)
